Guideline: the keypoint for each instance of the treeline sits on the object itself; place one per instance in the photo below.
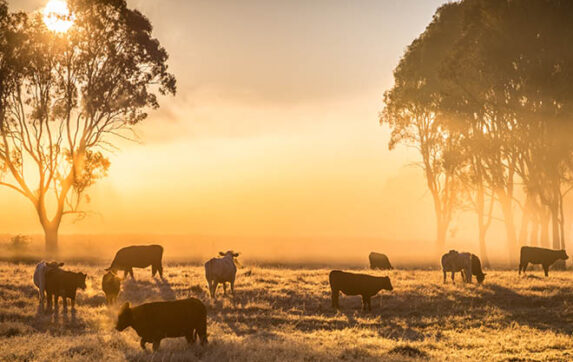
(485, 94)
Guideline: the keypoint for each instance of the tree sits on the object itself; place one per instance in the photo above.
(412, 112)
(76, 93)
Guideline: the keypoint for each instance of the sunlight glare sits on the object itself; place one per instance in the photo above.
(57, 16)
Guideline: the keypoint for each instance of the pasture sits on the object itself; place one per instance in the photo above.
(285, 314)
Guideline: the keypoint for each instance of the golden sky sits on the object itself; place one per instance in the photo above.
(274, 130)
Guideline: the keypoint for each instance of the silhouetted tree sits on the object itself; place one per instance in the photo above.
(75, 93)
(412, 112)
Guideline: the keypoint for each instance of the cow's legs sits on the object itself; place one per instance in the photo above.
(73, 303)
(335, 295)
(160, 270)
(65, 302)
(546, 269)
(191, 337)
(453, 275)
(125, 273)
(153, 271)
(131, 273)
(142, 344)
(366, 303)
(156, 344)
(49, 301)
(224, 288)
(525, 267)
(215, 284)
(444, 276)
(233, 286)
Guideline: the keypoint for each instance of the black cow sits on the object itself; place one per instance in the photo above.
(545, 257)
(63, 283)
(155, 321)
(379, 261)
(356, 284)
(138, 256)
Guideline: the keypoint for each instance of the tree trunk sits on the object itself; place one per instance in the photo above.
(482, 246)
(511, 237)
(525, 220)
(545, 216)
(51, 239)
(442, 230)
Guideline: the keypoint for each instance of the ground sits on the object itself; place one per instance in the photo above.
(285, 314)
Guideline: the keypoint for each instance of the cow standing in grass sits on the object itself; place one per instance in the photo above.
(379, 261)
(157, 320)
(221, 270)
(40, 277)
(63, 283)
(111, 285)
(542, 256)
(138, 256)
(356, 284)
(457, 262)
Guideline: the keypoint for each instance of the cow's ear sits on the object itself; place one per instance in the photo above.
(60, 264)
(221, 253)
(236, 254)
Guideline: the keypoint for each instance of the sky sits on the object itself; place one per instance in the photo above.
(273, 132)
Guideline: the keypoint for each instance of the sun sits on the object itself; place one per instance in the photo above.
(57, 16)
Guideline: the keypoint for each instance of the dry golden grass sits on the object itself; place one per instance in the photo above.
(285, 314)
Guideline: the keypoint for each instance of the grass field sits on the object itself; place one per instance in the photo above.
(285, 314)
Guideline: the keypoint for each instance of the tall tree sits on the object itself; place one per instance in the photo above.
(76, 93)
(412, 112)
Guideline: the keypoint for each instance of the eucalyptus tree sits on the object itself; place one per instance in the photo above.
(412, 112)
(76, 93)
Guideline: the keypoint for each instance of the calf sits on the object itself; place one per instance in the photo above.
(356, 284)
(155, 321)
(542, 256)
(457, 262)
(62, 283)
(379, 261)
(221, 270)
(40, 277)
(110, 284)
(138, 256)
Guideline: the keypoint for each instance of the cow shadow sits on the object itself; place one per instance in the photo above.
(140, 291)
(165, 289)
(539, 312)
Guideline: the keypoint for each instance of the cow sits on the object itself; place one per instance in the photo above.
(457, 262)
(110, 284)
(63, 283)
(379, 261)
(542, 256)
(138, 256)
(221, 270)
(40, 277)
(356, 284)
(157, 320)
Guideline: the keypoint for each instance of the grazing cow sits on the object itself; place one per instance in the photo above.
(63, 283)
(221, 270)
(155, 321)
(356, 284)
(476, 269)
(542, 256)
(111, 284)
(379, 261)
(40, 277)
(138, 256)
(457, 262)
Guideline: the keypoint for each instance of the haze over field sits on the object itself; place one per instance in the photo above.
(273, 135)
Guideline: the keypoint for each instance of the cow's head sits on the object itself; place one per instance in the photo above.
(563, 255)
(386, 284)
(124, 318)
(480, 277)
(54, 264)
(81, 280)
(231, 254)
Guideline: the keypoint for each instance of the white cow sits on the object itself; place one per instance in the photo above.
(457, 262)
(40, 277)
(221, 270)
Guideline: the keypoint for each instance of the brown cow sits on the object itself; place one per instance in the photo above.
(356, 284)
(63, 283)
(155, 321)
(111, 285)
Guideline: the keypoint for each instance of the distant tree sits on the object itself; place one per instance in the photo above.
(412, 112)
(74, 94)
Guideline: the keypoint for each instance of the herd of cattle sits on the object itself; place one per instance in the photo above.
(188, 317)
